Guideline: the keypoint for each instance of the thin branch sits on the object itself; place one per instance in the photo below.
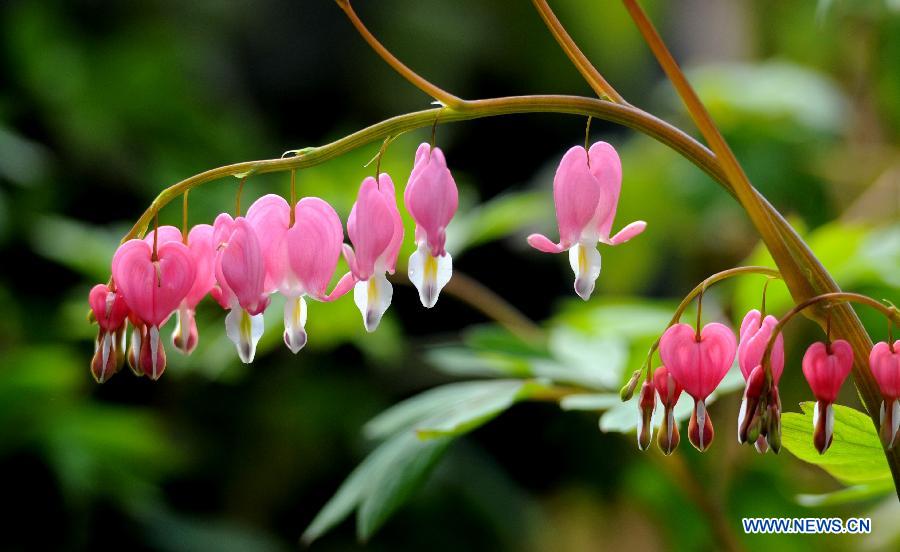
(576, 56)
(417, 80)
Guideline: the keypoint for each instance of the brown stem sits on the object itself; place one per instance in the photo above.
(803, 273)
(576, 56)
(435, 92)
(481, 298)
(697, 492)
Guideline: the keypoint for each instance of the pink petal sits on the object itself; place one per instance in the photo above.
(109, 307)
(826, 372)
(431, 197)
(203, 251)
(698, 366)
(371, 227)
(607, 169)
(386, 186)
(885, 365)
(153, 290)
(628, 232)
(270, 217)
(754, 339)
(241, 269)
(314, 244)
(166, 234)
(544, 244)
(576, 193)
(344, 285)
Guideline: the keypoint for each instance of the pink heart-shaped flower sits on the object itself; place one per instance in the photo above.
(698, 365)
(826, 370)
(885, 365)
(153, 289)
(755, 334)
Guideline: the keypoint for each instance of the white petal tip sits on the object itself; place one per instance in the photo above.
(429, 274)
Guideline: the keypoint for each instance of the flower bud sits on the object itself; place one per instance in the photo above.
(646, 406)
(628, 390)
(700, 429)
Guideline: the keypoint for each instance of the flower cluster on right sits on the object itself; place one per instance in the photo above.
(696, 360)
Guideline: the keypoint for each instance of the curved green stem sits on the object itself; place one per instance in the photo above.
(700, 288)
(476, 109)
(889, 311)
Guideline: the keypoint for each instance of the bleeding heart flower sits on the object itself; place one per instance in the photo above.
(826, 367)
(201, 244)
(153, 287)
(300, 259)
(110, 310)
(376, 231)
(884, 361)
(668, 390)
(646, 407)
(241, 278)
(431, 198)
(755, 334)
(586, 191)
(698, 364)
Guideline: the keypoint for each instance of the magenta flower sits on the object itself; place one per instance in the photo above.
(669, 391)
(300, 259)
(698, 364)
(755, 334)
(153, 287)
(586, 192)
(241, 279)
(376, 232)
(431, 198)
(110, 310)
(826, 367)
(884, 361)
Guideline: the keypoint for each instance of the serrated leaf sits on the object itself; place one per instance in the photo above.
(406, 465)
(855, 455)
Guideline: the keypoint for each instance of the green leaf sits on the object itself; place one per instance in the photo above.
(379, 485)
(590, 401)
(406, 465)
(856, 493)
(450, 409)
(855, 455)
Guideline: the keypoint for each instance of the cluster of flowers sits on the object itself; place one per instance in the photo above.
(276, 247)
(696, 361)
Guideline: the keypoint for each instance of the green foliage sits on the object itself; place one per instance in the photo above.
(855, 455)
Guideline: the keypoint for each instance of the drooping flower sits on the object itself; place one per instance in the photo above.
(755, 409)
(586, 192)
(884, 361)
(698, 363)
(300, 259)
(153, 287)
(646, 407)
(669, 391)
(376, 232)
(431, 198)
(825, 368)
(241, 279)
(110, 311)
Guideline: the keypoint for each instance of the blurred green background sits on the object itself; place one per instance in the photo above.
(104, 103)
